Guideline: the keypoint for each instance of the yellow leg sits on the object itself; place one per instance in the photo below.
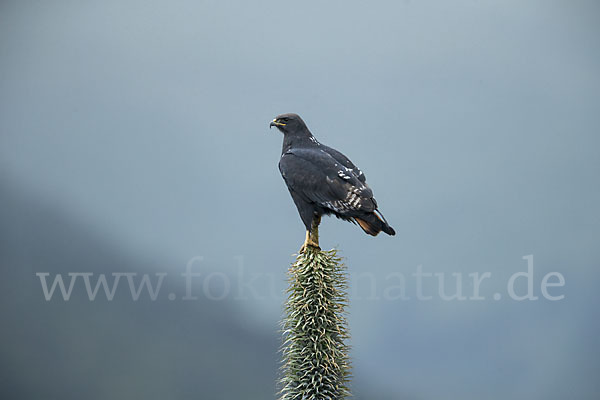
(312, 236)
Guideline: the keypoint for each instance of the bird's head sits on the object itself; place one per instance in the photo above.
(288, 123)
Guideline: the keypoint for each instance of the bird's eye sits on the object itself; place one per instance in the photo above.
(285, 119)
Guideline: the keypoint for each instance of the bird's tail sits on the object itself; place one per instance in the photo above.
(373, 223)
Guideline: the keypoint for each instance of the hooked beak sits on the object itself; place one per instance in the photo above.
(275, 123)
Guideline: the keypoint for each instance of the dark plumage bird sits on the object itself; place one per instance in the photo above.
(322, 180)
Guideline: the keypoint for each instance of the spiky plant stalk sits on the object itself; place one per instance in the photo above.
(316, 365)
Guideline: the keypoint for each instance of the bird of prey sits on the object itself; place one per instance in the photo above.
(322, 181)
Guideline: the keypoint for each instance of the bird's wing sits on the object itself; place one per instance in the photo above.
(345, 161)
(321, 179)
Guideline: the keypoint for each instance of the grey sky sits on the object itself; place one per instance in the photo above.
(476, 123)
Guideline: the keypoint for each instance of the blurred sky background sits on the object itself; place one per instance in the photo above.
(134, 136)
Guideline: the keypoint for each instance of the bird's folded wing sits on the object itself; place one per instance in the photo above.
(319, 178)
(345, 161)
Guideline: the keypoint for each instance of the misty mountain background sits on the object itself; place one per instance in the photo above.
(134, 137)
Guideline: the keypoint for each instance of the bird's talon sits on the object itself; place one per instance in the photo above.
(305, 245)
